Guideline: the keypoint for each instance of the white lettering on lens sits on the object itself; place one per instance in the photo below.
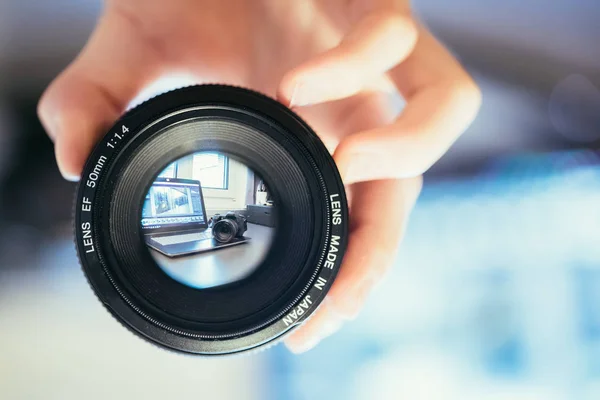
(111, 143)
(332, 254)
(320, 283)
(298, 311)
(87, 205)
(88, 243)
(95, 174)
(337, 209)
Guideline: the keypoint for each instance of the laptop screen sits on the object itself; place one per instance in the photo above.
(173, 203)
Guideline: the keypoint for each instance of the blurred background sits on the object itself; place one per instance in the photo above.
(496, 291)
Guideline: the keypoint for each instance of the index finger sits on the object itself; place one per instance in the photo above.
(442, 100)
(382, 39)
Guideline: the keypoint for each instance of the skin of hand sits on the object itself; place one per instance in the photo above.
(337, 63)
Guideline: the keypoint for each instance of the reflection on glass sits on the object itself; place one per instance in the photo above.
(208, 234)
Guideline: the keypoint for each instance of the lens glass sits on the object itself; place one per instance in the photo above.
(224, 231)
(208, 220)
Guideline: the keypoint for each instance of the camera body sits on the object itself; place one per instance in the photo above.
(227, 227)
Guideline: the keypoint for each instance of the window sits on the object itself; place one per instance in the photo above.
(211, 169)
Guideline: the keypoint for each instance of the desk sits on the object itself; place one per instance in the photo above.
(220, 266)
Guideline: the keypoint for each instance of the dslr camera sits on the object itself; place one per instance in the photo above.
(227, 227)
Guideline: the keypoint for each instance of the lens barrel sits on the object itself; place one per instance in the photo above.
(224, 230)
(296, 272)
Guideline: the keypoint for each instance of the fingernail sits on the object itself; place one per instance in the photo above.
(300, 96)
(331, 327)
(367, 166)
(65, 174)
(328, 329)
(303, 346)
(358, 167)
(70, 178)
(293, 96)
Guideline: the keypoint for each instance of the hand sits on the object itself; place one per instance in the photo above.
(336, 62)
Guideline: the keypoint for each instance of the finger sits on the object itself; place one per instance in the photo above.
(377, 43)
(370, 253)
(372, 249)
(94, 90)
(323, 323)
(442, 100)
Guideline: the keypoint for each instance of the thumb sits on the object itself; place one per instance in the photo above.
(94, 90)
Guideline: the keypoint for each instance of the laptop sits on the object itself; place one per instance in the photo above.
(174, 220)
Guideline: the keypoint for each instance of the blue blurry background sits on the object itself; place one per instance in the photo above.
(496, 290)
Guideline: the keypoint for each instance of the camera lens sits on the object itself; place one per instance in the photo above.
(211, 220)
(224, 231)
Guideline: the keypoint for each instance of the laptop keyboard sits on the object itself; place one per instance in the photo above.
(184, 238)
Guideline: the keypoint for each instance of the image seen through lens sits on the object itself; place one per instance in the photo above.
(208, 220)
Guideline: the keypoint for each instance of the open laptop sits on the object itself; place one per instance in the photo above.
(174, 220)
